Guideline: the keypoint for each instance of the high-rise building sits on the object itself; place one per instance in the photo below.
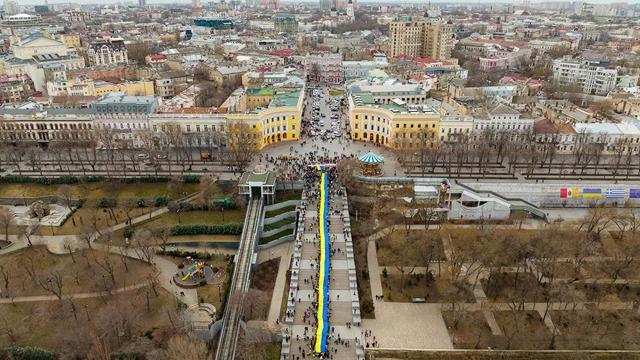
(431, 38)
(142, 3)
(325, 5)
(350, 10)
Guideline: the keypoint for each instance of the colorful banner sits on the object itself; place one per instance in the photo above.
(616, 193)
(567, 192)
(591, 193)
(323, 276)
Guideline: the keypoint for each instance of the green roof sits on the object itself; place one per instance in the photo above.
(260, 92)
(288, 99)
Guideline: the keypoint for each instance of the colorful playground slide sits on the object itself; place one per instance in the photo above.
(323, 278)
(192, 270)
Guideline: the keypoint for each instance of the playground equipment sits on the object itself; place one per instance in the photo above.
(197, 267)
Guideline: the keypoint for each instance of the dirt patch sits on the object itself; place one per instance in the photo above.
(597, 329)
(523, 330)
(436, 290)
(84, 271)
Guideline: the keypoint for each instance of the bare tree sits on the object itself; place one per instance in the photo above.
(242, 143)
(53, 284)
(7, 219)
(144, 245)
(181, 346)
(28, 231)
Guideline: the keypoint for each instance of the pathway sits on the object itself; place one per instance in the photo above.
(396, 324)
(344, 305)
(37, 298)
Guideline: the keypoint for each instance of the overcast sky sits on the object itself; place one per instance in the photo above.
(517, 2)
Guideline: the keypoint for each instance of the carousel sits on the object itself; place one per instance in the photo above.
(371, 164)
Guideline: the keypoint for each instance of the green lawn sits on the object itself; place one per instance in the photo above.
(197, 217)
(276, 236)
(286, 195)
(277, 224)
(283, 210)
(100, 189)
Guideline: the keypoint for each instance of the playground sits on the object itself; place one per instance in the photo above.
(193, 273)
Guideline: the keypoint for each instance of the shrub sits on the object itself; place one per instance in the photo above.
(366, 305)
(108, 202)
(16, 179)
(141, 203)
(200, 229)
(128, 356)
(160, 201)
(26, 353)
(191, 179)
(147, 179)
(128, 232)
(181, 253)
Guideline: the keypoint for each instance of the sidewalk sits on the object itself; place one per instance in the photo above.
(37, 298)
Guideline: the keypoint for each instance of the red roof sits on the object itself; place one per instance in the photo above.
(156, 57)
(283, 52)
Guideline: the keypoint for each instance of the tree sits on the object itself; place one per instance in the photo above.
(7, 219)
(180, 347)
(138, 51)
(175, 208)
(66, 192)
(28, 231)
(53, 283)
(242, 143)
(144, 245)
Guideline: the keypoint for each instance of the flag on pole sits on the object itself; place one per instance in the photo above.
(634, 193)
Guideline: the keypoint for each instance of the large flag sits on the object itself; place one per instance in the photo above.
(616, 193)
(569, 192)
(634, 193)
(591, 193)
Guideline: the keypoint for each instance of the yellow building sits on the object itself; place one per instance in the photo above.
(132, 88)
(275, 122)
(395, 124)
(70, 40)
(420, 38)
(279, 121)
(258, 98)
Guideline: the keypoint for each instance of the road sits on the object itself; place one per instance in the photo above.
(228, 338)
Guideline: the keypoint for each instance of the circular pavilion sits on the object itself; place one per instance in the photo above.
(371, 164)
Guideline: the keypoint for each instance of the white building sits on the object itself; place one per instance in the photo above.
(37, 44)
(355, 70)
(501, 118)
(589, 77)
(107, 52)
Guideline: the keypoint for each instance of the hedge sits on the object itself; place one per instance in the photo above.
(26, 353)
(184, 253)
(17, 179)
(200, 229)
(108, 202)
(191, 179)
(147, 179)
(127, 356)
(160, 201)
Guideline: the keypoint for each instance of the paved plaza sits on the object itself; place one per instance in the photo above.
(343, 296)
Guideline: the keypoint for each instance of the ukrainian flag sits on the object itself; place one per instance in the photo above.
(323, 277)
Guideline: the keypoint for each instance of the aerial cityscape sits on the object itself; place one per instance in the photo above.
(320, 179)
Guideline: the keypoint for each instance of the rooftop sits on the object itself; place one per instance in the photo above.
(259, 92)
(287, 99)
(118, 98)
